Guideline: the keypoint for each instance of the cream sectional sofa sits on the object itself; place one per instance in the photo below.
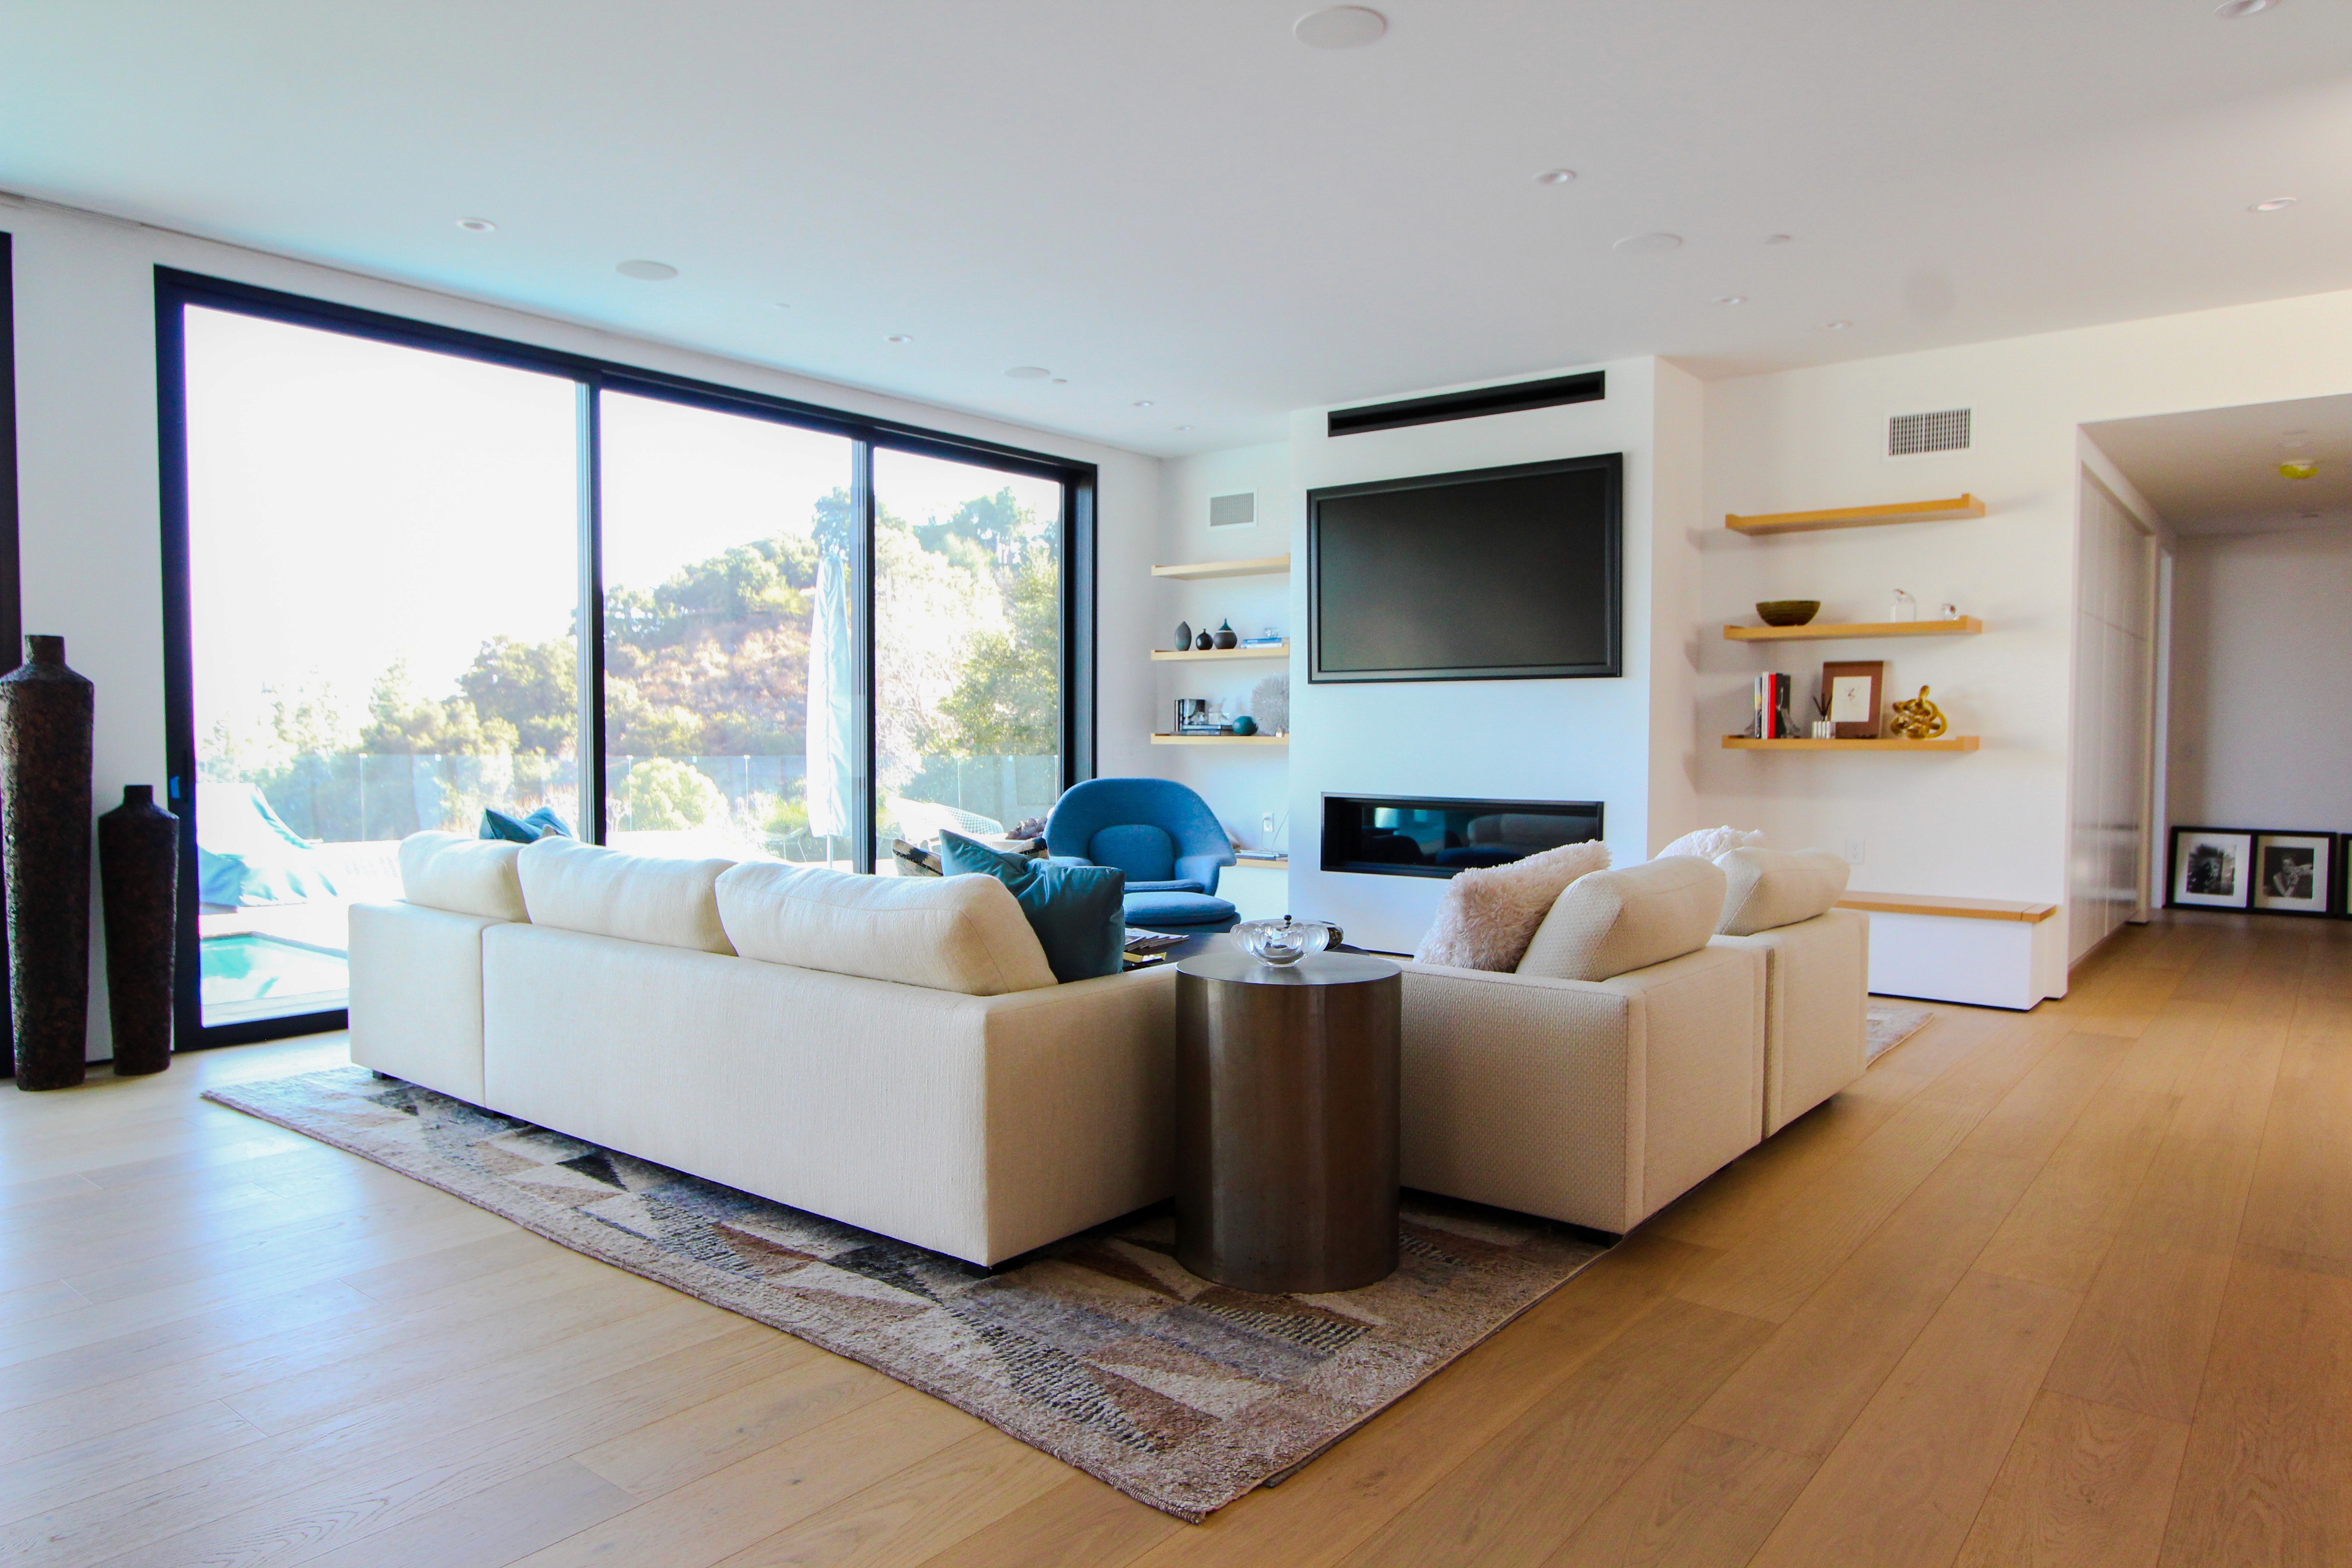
(891, 1053)
(1781, 906)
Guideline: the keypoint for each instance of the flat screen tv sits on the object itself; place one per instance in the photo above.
(1492, 574)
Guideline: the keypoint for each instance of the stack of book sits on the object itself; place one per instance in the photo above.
(1774, 692)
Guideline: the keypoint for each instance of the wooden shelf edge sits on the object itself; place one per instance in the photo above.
(1963, 505)
(1170, 655)
(1258, 862)
(1967, 625)
(1948, 909)
(1221, 739)
(1806, 744)
(1256, 567)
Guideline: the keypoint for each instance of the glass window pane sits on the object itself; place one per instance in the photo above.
(383, 585)
(729, 668)
(967, 648)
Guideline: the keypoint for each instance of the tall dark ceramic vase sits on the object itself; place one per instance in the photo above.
(138, 882)
(44, 732)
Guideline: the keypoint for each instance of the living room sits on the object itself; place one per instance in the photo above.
(668, 442)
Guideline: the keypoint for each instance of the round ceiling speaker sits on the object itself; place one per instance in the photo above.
(1340, 27)
(1648, 243)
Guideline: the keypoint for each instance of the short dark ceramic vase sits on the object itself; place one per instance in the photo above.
(1227, 636)
(1184, 636)
(137, 878)
(1204, 642)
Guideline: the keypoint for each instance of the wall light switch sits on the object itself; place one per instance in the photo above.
(1854, 849)
(1267, 823)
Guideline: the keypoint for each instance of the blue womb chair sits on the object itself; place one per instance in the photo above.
(1163, 835)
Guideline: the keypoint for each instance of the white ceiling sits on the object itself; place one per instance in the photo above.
(2217, 471)
(1175, 201)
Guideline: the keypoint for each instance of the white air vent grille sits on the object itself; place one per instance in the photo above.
(1913, 434)
(1232, 512)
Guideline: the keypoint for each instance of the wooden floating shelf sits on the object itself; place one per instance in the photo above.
(1948, 908)
(1806, 744)
(1221, 739)
(1258, 566)
(1967, 625)
(1243, 858)
(1855, 516)
(1173, 653)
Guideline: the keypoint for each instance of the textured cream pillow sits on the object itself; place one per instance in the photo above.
(580, 886)
(469, 876)
(1485, 916)
(1612, 922)
(1708, 843)
(1770, 887)
(947, 933)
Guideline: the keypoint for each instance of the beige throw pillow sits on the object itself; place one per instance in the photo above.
(470, 876)
(947, 933)
(1612, 922)
(1485, 916)
(580, 887)
(1771, 888)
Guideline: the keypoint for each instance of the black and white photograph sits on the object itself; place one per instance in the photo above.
(2294, 872)
(2212, 868)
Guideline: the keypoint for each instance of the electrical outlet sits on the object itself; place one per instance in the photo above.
(1854, 849)
(1268, 821)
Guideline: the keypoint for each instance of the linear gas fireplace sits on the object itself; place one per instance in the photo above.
(1425, 835)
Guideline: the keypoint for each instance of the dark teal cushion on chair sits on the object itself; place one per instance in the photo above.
(1147, 854)
(1077, 912)
(540, 823)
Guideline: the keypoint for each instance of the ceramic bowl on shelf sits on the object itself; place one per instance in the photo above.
(1788, 611)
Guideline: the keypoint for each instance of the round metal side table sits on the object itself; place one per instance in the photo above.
(1287, 1120)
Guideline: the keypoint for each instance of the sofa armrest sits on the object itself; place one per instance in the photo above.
(1592, 1101)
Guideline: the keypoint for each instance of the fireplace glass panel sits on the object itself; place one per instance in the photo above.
(1391, 835)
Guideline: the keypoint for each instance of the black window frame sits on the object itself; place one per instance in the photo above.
(176, 291)
(12, 581)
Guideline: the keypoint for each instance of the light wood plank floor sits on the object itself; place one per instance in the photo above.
(2070, 1287)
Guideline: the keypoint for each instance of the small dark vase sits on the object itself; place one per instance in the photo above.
(1184, 636)
(1204, 642)
(46, 711)
(137, 881)
(1227, 636)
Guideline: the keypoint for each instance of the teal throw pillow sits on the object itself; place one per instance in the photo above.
(540, 823)
(1079, 913)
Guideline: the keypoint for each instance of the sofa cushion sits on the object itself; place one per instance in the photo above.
(464, 876)
(579, 887)
(1612, 922)
(1769, 888)
(1711, 843)
(964, 934)
(1146, 852)
(1158, 909)
(531, 829)
(1075, 909)
(1486, 916)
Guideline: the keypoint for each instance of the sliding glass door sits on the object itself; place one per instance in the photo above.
(417, 578)
(381, 593)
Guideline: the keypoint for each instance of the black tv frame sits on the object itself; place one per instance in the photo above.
(1612, 551)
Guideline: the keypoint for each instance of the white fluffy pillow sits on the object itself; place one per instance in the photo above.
(1709, 842)
(1486, 917)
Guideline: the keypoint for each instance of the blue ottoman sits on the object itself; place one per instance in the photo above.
(1186, 914)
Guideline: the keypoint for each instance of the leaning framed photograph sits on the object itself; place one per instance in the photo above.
(2213, 869)
(2295, 873)
(1850, 691)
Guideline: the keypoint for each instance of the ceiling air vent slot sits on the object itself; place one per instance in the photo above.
(1915, 435)
(1590, 387)
(1232, 512)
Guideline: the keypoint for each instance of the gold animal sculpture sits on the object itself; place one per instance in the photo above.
(1918, 720)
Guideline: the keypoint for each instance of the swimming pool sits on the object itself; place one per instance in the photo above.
(249, 975)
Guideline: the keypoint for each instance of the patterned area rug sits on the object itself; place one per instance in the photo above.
(1100, 1350)
(1891, 1026)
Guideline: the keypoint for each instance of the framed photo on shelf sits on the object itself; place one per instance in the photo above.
(1852, 689)
(2213, 869)
(2295, 873)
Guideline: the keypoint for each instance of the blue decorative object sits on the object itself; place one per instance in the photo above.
(1161, 834)
(540, 823)
(1077, 910)
(1244, 725)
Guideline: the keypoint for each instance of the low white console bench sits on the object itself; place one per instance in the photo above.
(1989, 952)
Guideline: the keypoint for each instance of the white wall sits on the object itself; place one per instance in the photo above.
(1530, 740)
(2261, 734)
(87, 471)
(1993, 823)
(2113, 754)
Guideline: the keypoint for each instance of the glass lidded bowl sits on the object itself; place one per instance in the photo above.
(1284, 941)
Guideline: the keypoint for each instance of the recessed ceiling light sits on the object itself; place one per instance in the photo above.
(2295, 446)
(1060, 381)
(648, 272)
(1340, 28)
(476, 226)
(1028, 372)
(2230, 10)
(1835, 326)
(1555, 177)
(783, 304)
(2276, 204)
(1779, 238)
(898, 337)
(1731, 298)
(2306, 514)
(1183, 427)
(1648, 243)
